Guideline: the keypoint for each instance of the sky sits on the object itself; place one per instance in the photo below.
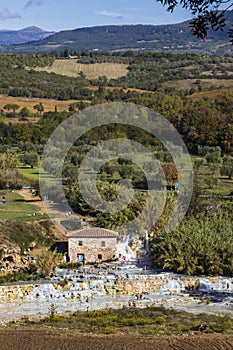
(58, 15)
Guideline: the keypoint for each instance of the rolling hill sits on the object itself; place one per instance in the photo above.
(170, 37)
(9, 37)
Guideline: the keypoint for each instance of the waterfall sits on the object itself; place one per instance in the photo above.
(222, 285)
(124, 249)
(147, 243)
(171, 286)
(205, 285)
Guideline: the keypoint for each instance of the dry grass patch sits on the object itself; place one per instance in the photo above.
(205, 94)
(71, 68)
(187, 84)
(49, 104)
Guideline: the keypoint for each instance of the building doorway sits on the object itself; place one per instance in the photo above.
(80, 258)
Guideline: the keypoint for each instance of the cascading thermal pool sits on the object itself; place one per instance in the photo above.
(222, 285)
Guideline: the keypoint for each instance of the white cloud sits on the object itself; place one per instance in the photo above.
(6, 14)
(110, 14)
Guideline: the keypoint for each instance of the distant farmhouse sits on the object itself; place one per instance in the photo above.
(92, 244)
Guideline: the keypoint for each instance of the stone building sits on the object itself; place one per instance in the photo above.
(91, 244)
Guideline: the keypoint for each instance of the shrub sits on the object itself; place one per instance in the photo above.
(70, 265)
(222, 323)
(46, 262)
(52, 311)
(109, 330)
(16, 276)
(160, 320)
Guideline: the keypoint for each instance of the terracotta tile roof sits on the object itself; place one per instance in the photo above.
(92, 232)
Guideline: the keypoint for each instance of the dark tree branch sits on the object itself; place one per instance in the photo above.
(206, 15)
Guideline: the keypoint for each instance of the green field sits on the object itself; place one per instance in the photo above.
(34, 174)
(224, 187)
(146, 321)
(31, 173)
(71, 68)
(16, 208)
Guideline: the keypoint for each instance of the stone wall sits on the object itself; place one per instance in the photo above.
(92, 248)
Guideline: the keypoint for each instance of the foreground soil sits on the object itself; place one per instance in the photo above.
(51, 340)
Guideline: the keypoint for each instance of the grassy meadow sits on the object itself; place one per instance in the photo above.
(34, 174)
(30, 173)
(16, 208)
(146, 321)
(224, 186)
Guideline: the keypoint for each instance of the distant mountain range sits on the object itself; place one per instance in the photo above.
(170, 37)
(11, 37)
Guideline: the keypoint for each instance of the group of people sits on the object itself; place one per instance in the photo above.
(132, 303)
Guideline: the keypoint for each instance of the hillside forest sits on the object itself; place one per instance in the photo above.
(194, 92)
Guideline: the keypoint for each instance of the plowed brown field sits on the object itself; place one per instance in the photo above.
(43, 340)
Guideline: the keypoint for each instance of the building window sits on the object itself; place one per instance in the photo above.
(100, 256)
(80, 243)
(102, 244)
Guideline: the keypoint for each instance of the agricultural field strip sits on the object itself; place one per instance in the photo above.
(71, 68)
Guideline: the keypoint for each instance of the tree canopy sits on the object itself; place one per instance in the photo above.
(207, 14)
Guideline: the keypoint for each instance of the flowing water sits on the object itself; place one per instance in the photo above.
(124, 250)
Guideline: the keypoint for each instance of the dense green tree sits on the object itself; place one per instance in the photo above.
(11, 107)
(39, 107)
(213, 158)
(211, 181)
(227, 167)
(9, 160)
(200, 245)
(7, 107)
(25, 113)
(29, 158)
(22, 132)
(198, 163)
(15, 107)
